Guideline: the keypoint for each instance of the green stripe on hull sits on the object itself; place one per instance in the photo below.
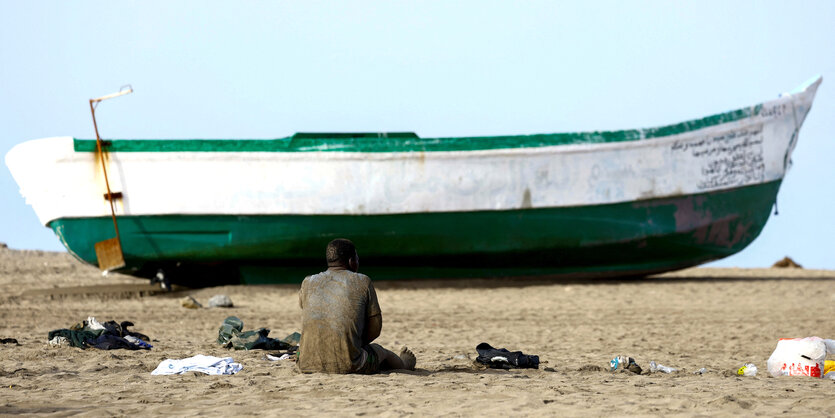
(406, 142)
(622, 238)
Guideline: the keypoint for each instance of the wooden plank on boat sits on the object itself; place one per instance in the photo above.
(109, 254)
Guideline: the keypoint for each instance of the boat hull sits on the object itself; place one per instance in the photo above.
(619, 239)
(261, 211)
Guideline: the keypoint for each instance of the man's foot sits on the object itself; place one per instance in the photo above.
(409, 359)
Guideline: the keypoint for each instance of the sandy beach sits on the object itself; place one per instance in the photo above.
(710, 318)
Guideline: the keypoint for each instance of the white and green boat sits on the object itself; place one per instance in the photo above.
(616, 203)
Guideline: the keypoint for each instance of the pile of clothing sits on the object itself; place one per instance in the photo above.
(109, 335)
(231, 335)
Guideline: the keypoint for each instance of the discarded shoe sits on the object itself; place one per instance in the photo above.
(500, 358)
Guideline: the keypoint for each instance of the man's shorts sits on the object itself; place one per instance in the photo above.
(373, 358)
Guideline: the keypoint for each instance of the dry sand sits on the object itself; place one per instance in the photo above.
(712, 318)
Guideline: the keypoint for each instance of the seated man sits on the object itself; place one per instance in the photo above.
(341, 317)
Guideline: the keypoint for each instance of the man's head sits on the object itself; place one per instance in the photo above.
(342, 253)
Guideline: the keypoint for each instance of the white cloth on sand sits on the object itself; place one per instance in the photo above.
(199, 363)
(93, 324)
(59, 341)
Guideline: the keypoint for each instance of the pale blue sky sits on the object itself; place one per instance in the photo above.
(439, 68)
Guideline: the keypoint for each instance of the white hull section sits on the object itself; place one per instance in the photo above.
(61, 183)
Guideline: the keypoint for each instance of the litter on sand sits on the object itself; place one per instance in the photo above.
(624, 363)
(500, 358)
(199, 363)
(216, 301)
(284, 356)
(747, 369)
(189, 302)
(220, 301)
(655, 367)
(801, 357)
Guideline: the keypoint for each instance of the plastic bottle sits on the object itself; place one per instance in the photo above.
(748, 369)
(655, 367)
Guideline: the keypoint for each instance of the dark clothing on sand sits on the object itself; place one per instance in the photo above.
(336, 305)
(501, 358)
(232, 335)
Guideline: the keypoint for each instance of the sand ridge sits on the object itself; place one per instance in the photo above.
(713, 318)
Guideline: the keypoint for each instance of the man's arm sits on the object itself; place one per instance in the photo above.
(301, 296)
(373, 315)
(373, 326)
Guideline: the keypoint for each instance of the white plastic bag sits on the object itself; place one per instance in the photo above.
(800, 356)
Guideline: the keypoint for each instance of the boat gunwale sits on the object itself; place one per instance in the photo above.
(383, 145)
(408, 142)
(493, 152)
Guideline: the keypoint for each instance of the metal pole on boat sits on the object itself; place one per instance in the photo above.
(108, 252)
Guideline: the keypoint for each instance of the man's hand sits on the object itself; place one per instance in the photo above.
(373, 326)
